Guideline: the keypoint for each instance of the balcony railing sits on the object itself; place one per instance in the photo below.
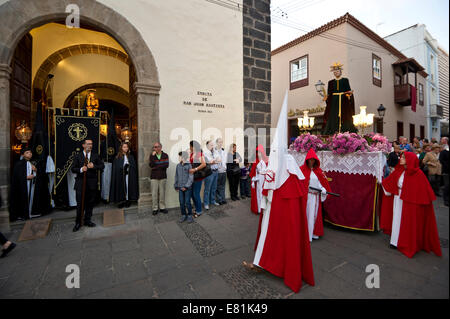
(436, 110)
(402, 94)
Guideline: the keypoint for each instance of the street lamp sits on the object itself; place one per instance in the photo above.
(306, 123)
(363, 119)
(381, 110)
(320, 88)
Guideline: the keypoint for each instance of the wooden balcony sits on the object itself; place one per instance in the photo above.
(402, 94)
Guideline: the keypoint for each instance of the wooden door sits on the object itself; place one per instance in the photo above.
(20, 89)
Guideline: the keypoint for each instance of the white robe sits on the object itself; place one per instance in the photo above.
(258, 181)
(50, 170)
(30, 189)
(70, 188)
(106, 181)
(397, 211)
(266, 204)
(312, 206)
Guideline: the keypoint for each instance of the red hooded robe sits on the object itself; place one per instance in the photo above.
(287, 251)
(318, 226)
(418, 229)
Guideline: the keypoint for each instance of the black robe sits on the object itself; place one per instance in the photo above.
(331, 115)
(19, 202)
(117, 192)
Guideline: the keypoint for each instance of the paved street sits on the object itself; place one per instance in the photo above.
(157, 257)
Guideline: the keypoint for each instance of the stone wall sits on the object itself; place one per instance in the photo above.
(257, 67)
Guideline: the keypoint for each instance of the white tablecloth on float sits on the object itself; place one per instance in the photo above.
(371, 163)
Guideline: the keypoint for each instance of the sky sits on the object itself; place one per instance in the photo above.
(381, 16)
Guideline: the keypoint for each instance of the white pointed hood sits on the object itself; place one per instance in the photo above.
(281, 164)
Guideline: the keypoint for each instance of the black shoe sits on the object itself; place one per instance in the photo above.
(242, 197)
(164, 211)
(89, 224)
(223, 203)
(155, 212)
(237, 198)
(127, 204)
(121, 205)
(77, 227)
(392, 246)
(233, 198)
(8, 250)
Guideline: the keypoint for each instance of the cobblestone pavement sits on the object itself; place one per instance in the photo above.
(157, 257)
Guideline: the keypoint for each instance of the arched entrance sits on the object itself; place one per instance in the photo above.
(20, 16)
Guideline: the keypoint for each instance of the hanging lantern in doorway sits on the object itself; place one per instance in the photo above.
(126, 134)
(23, 133)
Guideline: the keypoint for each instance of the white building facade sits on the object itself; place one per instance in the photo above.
(416, 42)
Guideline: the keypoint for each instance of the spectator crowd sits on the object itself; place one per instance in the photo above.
(433, 160)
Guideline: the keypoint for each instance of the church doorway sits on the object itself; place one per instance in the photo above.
(43, 60)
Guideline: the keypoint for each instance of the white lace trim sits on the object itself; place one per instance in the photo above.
(371, 163)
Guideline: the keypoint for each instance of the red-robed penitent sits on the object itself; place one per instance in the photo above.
(254, 197)
(318, 226)
(418, 229)
(287, 251)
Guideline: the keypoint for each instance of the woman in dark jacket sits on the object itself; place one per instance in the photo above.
(233, 171)
(124, 178)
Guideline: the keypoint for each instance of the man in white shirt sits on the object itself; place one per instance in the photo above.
(213, 158)
(222, 172)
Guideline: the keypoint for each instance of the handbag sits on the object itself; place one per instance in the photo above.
(203, 173)
(235, 170)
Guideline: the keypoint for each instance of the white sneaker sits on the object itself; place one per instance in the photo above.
(315, 237)
(207, 207)
(217, 204)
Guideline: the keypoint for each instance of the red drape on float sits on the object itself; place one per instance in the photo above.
(356, 206)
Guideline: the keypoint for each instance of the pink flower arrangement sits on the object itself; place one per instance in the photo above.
(378, 142)
(305, 142)
(344, 143)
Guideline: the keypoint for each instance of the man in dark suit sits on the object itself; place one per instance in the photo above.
(90, 163)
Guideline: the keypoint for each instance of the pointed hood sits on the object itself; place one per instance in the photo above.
(260, 148)
(281, 164)
(39, 139)
(316, 169)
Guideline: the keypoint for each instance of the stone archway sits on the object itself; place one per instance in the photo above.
(20, 16)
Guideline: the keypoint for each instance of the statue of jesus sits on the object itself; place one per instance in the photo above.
(340, 104)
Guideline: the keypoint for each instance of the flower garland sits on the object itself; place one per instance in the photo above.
(305, 142)
(344, 143)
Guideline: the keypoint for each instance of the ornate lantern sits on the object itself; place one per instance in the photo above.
(305, 123)
(363, 119)
(126, 134)
(320, 88)
(381, 110)
(23, 133)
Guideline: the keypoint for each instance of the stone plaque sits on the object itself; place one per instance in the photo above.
(113, 217)
(35, 229)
